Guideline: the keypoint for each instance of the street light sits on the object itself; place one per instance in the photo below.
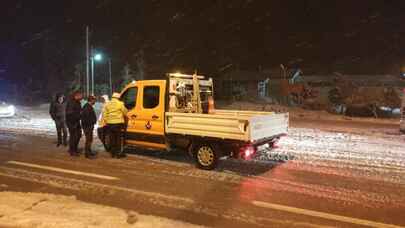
(94, 57)
(99, 57)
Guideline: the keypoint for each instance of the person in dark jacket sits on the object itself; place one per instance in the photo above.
(89, 119)
(57, 111)
(73, 112)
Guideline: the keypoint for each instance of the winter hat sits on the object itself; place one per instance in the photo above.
(91, 98)
(59, 95)
(105, 97)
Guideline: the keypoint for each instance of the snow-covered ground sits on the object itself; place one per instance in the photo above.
(26, 210)
(319, 164)
(367, 156)
(33, 120)
(370, 152)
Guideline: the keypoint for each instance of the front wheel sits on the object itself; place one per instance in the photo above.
(205, 156)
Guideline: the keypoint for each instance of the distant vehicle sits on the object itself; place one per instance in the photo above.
(6, 110)
(402, 121)
(178, 113)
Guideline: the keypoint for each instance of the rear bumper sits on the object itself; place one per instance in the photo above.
(248, 150)
(268, 140)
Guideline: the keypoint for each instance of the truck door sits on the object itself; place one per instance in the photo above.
(130, 99)
(148, 116)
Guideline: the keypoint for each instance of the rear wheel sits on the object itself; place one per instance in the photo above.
(206, 156)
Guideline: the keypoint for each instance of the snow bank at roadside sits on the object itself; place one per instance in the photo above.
(40, 210)
(298, 113)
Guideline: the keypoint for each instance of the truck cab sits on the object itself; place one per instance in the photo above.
(146, 104)
(178, 114)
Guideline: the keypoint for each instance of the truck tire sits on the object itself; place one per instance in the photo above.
(206, 156)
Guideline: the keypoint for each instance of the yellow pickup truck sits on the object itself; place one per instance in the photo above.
(178, 113)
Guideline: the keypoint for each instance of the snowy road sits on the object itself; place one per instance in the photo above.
(323, 174)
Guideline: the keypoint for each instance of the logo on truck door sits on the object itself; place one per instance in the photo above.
(148, 125)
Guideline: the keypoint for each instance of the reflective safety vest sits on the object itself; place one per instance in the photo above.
(114, 112)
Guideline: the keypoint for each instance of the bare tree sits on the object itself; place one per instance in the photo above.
(126, 75)
(140, 65)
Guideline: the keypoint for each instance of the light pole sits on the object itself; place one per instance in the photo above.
(110, 76)
(92, 75)
(94, 57)
(87, 61)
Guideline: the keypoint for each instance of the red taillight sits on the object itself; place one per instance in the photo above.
(247, 152)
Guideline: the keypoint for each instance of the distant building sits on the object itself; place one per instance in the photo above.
(249, 83)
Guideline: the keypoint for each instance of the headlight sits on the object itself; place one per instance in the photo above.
(11, 109)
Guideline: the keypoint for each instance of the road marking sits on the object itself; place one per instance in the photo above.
(323, 215)
(78, 185)
(62, 170)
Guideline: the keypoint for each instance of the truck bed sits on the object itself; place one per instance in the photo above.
(246, 126)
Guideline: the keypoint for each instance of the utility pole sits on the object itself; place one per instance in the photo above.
(87, 62)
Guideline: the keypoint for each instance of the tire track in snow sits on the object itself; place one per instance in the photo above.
(348, 171)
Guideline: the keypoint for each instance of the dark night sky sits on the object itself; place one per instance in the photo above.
(320, 36)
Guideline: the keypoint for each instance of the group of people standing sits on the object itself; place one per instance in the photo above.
(69, 116)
